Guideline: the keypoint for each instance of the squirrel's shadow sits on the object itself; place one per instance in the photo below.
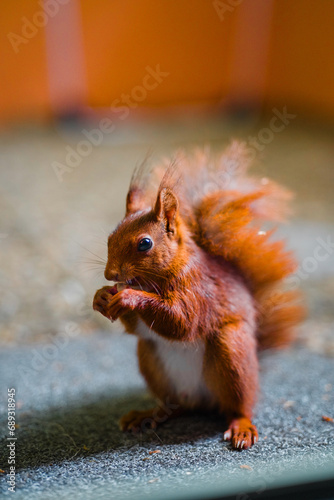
(90, 428)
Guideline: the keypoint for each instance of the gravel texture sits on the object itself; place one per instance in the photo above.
(68, 439)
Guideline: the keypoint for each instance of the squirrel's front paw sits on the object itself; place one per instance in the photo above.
(122, 302)
(103, 298)
(113, 304)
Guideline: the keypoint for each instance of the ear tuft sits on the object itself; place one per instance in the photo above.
(166, 208)
(134, 201)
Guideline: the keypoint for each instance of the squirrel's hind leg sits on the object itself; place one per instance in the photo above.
(157, 382)
(231, 373)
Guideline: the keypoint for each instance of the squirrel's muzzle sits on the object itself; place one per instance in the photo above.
(111, 276)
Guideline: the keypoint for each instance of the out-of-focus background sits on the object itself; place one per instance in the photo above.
(87, 88)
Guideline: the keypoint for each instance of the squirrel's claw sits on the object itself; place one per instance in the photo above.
(242, 434)
(228, 435)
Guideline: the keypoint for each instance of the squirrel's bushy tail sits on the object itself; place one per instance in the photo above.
(229, 224)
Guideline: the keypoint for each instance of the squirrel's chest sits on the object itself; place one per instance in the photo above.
(182, 363)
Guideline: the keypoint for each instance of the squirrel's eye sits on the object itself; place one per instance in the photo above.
(145, 244)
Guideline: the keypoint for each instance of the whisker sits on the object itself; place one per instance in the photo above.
(152, 273)
(92, 261)
(139, 284)
(94, 267)
(146, 281)
(98, 274)
(98, 240)
(95, 255)
(153, 285)
(86, 265)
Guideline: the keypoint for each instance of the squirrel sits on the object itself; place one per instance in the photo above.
(201, 285)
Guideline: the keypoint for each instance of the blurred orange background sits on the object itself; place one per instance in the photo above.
(64, 56)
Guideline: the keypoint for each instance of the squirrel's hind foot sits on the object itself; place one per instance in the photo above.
(242, 434)
(136, 421)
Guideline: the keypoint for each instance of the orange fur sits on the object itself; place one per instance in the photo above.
(210, 291)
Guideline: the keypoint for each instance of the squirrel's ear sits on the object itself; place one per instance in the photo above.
(166, 208)
(134, 201)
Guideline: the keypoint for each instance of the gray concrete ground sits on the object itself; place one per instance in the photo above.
(68, 439)
(75, 374)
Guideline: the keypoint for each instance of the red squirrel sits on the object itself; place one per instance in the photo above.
(201, 285)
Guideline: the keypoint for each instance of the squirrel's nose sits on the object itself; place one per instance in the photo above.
(111, 276)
